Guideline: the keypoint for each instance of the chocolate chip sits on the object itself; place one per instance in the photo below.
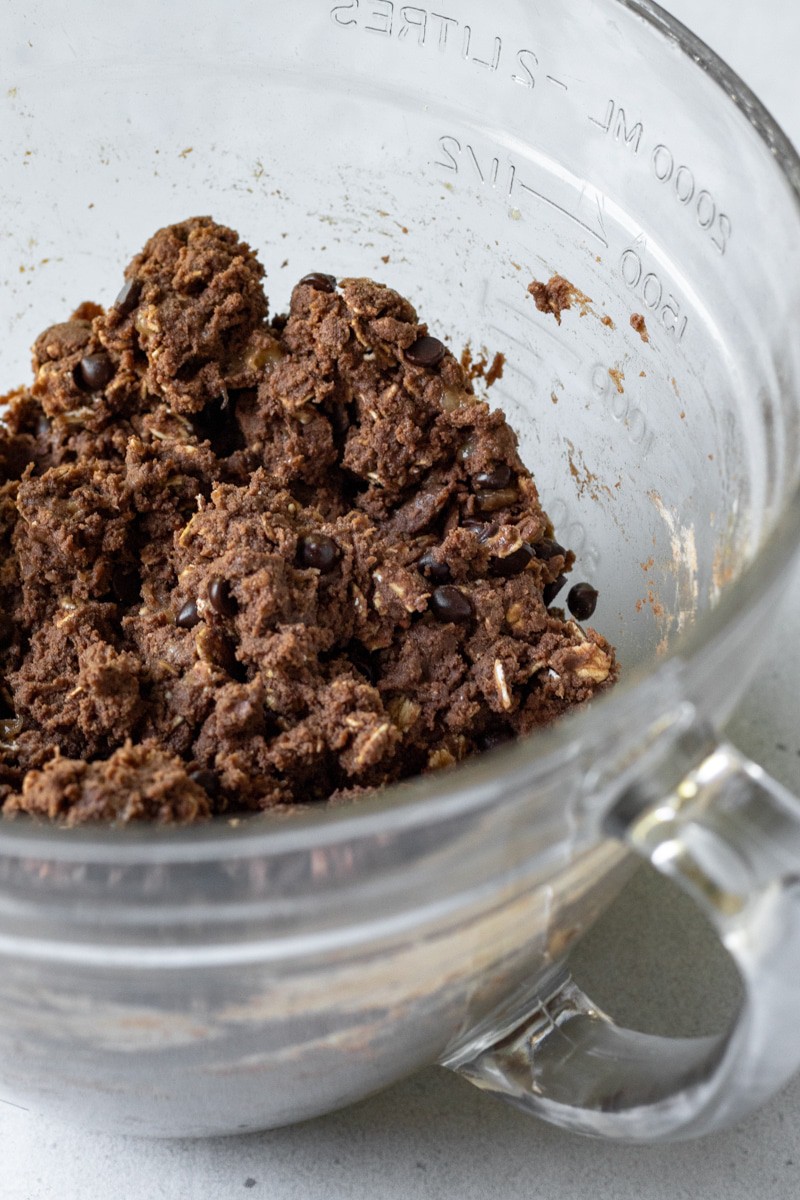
(482, 529)
(582, 601)
(513, 563)
(220, 598)
(450, 604)
(207, 780)
(128, 297)
(94, 371)
(320, 282)
(551, 590)
(188, 617)
(491, 502)
(318, 551)
(498, 477)
(426, 352)
(431, 568)
(547, 549)
(126, 584)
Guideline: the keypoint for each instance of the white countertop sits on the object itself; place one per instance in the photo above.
(434, 1135)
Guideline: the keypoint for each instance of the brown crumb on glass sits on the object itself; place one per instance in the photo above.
(557, 295)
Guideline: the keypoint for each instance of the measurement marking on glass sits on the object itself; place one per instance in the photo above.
(535, 327)
(518, 373)
(486, 168)
(678, 177)
(631, 138)
(502, 330)
(554, 204)
(413, 25)
(525, 347)
(493, 169)
(622, 408)
(649, 286)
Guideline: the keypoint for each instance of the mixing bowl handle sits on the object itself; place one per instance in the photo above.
(730, 837)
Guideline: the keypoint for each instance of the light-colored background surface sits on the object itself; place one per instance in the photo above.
(434, 1135)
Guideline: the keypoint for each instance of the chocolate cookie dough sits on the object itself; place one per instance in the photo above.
(251, 564)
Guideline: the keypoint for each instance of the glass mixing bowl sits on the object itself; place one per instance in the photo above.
(222, 979)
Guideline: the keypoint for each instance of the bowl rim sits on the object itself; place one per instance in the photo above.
(472, 785)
